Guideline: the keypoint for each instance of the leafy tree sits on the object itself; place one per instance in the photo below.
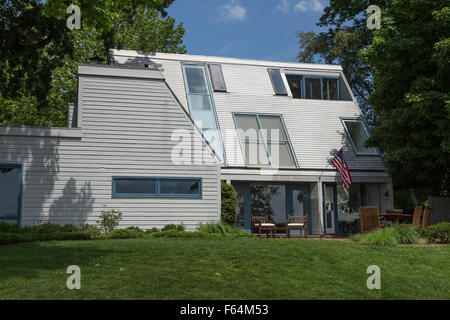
(410, 56)
(229, 204)
(346, 35)
(39, 54)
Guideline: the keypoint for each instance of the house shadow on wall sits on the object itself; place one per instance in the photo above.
(74, 205)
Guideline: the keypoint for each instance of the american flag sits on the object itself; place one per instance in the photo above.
(339, 163)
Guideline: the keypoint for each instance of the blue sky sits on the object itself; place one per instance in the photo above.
(253, 29)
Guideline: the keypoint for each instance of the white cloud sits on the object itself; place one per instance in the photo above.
(310, 5)
(233, 12)
(283, 6)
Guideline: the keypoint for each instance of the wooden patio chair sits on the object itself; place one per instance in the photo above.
(297, 223)
(262, 223)
(370, 219)
(426, 217)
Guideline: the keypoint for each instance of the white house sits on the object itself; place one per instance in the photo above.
(269, 129)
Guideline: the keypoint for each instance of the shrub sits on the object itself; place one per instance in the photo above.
(221, 228)
(93, 231)
(406, 234)
(386, 237)
(152, 230)
(180, 227)
(46, 228)
(69, 228)
(229, 204)
(390, 236)
(13, 238)
(439, 232)
(125, 234)
(109, 220)
(137, 229)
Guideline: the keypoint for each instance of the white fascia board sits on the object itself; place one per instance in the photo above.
(41, 132)
(223, 60)
(119, 71)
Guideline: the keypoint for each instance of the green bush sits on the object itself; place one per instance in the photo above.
(125, 234)
(109, 220)
(152, 230)
(438, 233)
(390, 236)
(13, 238)
(180, 227)
(229, 204)
(173, 233)
(386, 237)
(46, 228)
(137, 229)
(406, 234)
(221, 228)
(93, 231)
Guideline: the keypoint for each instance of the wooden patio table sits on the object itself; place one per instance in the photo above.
(395, 217)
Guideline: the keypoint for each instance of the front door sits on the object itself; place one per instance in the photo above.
(298, 202)
(330, 206)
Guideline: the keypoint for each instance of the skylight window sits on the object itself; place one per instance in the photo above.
(277, 82)
(217, 80)
(358, 135)
(264, 141)
(201, 106)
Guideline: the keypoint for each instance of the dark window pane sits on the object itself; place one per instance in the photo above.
(277, 82)
(358, 135)
(196, 79)
(295, 83)
(312, 88)
(330, 89)
(217, 79)
(179, 187)
(9, 192)
(135, 186)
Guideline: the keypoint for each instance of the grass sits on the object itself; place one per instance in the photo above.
(221, 268)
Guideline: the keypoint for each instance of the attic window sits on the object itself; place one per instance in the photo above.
(295, 84)
(217, 80)
(277, 82)
(358, 135)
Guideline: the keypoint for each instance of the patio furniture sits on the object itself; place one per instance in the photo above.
(426, 217)
(395, 217)
(297, 223)
(262, 223)
(370, 219)
(394, 211)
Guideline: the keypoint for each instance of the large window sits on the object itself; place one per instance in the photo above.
(131, 187)
(313, 87)
(10, 193)
(264, 141)
(358, 135)
(201, 106)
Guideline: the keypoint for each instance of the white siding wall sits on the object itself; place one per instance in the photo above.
(126, 131)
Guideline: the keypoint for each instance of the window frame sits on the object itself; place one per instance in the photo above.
(157, 194)
(264, 139)
(360, 120)
(20, 191)
(211, 99)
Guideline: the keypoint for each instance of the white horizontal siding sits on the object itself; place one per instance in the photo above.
(127, 126)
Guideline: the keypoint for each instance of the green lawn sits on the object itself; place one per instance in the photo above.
(221, 268)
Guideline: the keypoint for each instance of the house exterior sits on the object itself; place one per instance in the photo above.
(116, 155)
(153, 134)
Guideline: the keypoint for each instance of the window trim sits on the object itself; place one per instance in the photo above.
(157, 194)
(20, 187)
(269, 156)
(343, 119)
